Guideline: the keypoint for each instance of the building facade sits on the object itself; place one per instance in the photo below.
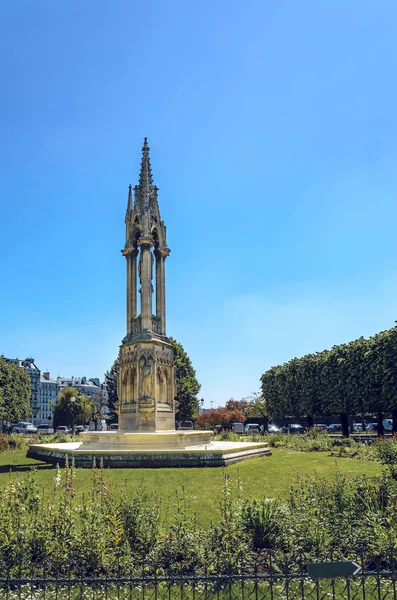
(146, 381)
(87, 387)
(47, 397)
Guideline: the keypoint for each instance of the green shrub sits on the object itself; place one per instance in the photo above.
(17, 442)
(386, 452)
(121, 533)
(265, 521)
(276, 440)
(229, 436)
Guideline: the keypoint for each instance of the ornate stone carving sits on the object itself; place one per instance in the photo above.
(146, 377)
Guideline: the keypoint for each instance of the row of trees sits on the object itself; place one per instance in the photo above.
(357, 378)
(15, 392)
(187, 386)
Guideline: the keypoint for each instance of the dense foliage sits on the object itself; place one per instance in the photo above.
(187, 386)
(122, 532)
(350, 379)
(220, 416)
(111, 386)
(15, 391)
(71, 408)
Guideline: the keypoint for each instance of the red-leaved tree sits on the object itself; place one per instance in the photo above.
(221, 416)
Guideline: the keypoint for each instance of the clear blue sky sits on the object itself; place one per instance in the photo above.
(273, 134)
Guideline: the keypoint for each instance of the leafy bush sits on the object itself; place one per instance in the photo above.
(265, 521)
(386, 451)
(276, 440)
(229, 436)
(54, 532)
(17, 442)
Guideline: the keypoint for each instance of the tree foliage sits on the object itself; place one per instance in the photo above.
(15, 392)
(243, 405)
(111, 386)
(350, 379)
(72, 408)
(187, 386)
(220, 416)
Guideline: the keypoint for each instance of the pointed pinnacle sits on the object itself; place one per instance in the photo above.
(145, 176)
(129, 205)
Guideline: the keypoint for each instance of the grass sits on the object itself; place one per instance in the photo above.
(267, 477)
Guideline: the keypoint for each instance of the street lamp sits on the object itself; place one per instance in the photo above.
(73, 403)
(202, 404)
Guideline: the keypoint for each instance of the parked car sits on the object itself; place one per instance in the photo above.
(62, 429)
(293, 428)
(114, 427)
(79, 429)
(321, 426)
(334, 427)
(372, 426)
(274, 429)
(186, 425)
(360, 426)
(25, 427)
(45, 428)
(237, 427)
(252, 428)
(387, 424)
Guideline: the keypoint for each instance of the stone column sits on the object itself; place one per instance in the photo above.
(131, 255)
(159, 285)
(146, 283)
(133, 286)
(160, 289)
(128, 296)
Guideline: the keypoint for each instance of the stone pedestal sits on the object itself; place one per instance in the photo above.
(146, 386)
(119, 455)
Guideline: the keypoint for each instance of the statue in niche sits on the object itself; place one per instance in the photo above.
(145, 380)
(120, 392)
(132, 381)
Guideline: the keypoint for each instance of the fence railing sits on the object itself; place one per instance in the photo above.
(267, 579)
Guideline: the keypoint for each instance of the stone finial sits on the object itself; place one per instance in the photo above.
(129, 205)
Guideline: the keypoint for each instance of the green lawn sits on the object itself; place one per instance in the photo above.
(266, 477)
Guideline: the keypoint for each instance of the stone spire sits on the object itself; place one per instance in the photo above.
(145, 191)
(145, 176)
(129, 204)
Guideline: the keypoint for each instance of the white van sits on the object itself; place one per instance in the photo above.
(238, 427)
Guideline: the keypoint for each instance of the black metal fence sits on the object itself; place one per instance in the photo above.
(376, 580)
